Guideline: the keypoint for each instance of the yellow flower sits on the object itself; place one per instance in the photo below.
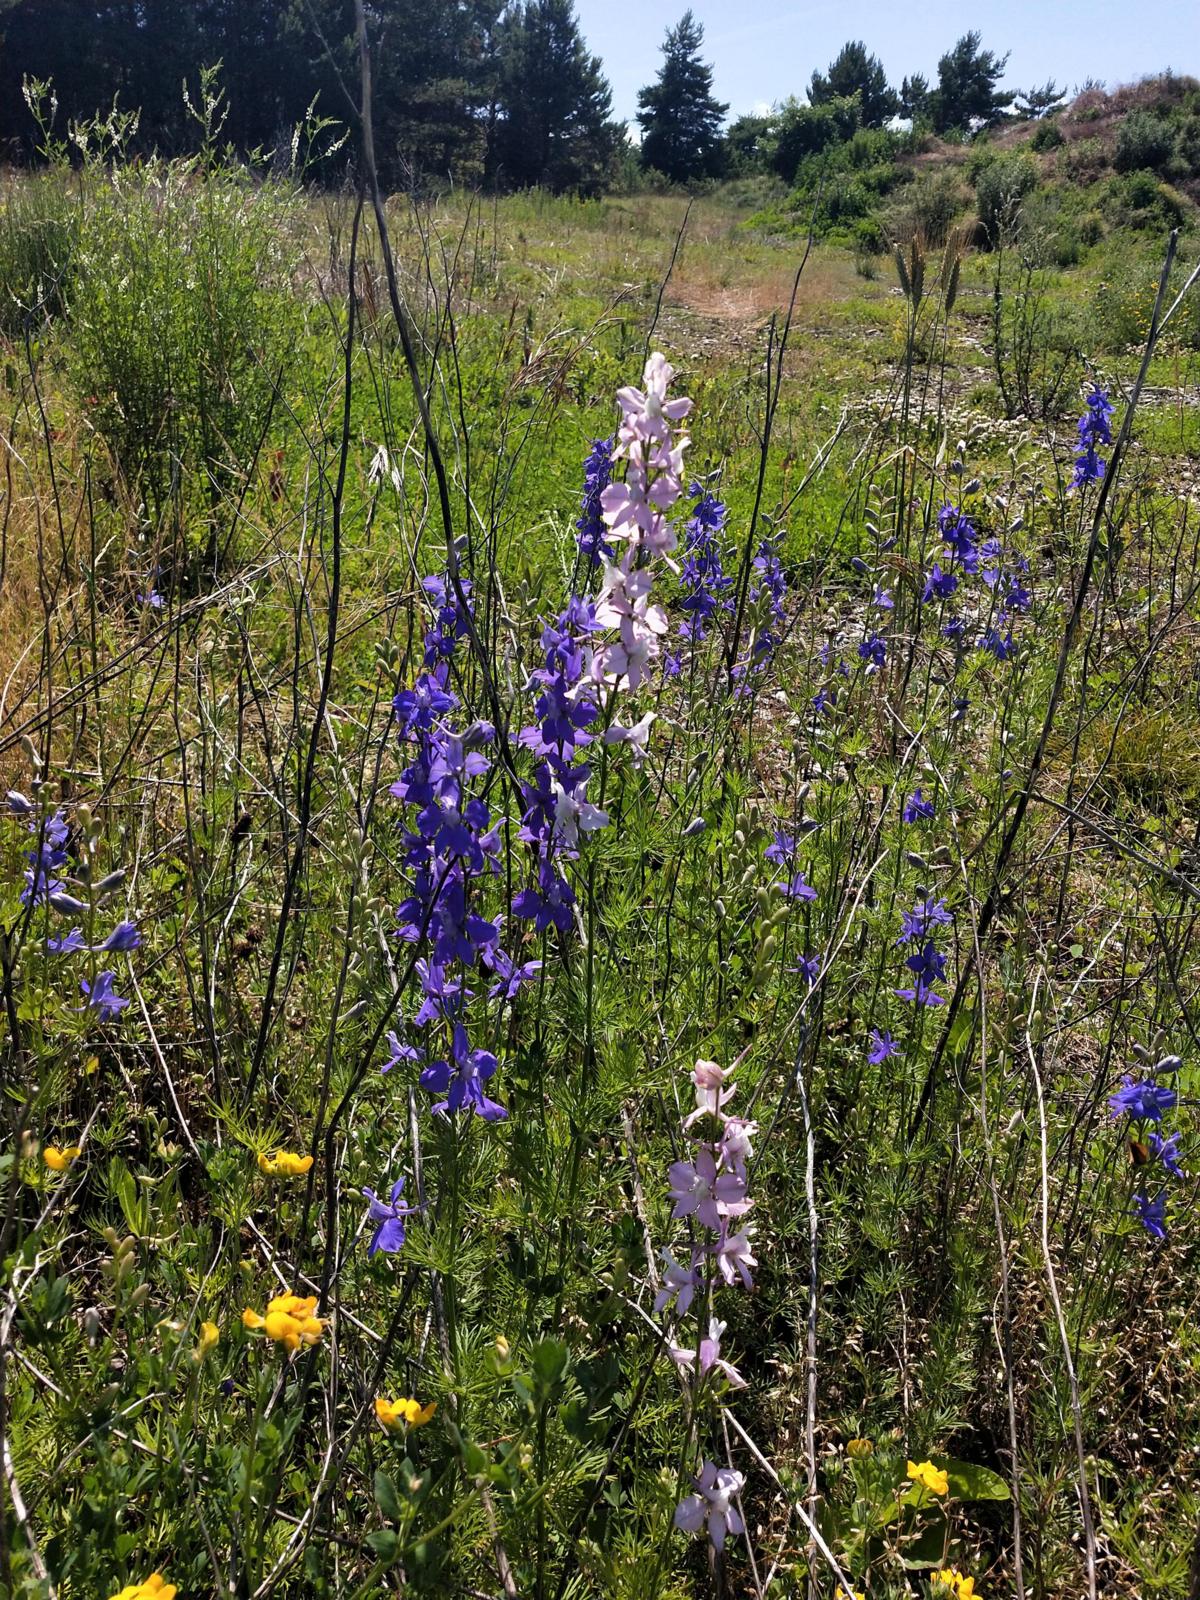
(209, 1336)
(154, 1588)
(289, 1321)
(859, 1449)
(929, 1476)
(855, 1594)
(952, 1580)
(284, 1164)
(59, 1160)
(396, 1414)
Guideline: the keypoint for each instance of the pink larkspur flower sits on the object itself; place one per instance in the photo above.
(711, 1092)
(734, 1148)
(712, 1504)
(679, 1284)
(710, 1356)
(734, 1259)
(698, 1189)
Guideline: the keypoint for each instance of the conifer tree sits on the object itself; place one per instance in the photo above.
(680, 119)
(854, 72)
(967, 80)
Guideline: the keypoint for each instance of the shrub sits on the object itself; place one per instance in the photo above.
(182, 319)
(999, 190)
(39, 231)
(1144, 140)
(930, 207)
(808, 130)
(1185, 159)
(1046, 136)
(1138, 200)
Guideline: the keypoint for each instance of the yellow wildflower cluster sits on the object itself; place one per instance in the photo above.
(396, 1414)
(284, 1164)
(929, 1476)
(59, 1160)
(954, 1584)
(154, 1588)
(289, 1320)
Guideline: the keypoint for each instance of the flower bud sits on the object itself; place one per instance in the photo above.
(111, 880)
(695, 827)
(67, 904)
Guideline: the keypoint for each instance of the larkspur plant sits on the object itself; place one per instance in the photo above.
(1093, 431)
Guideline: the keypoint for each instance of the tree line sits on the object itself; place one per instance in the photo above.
(506, 95)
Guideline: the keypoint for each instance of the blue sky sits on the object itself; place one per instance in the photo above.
(764, 50)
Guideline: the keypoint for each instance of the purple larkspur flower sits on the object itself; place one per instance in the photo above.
(1093, 432)
(1167, 1151)
(917, 807)
(1152, 1214)
(882, 1046)
(461, 1079)
(389, 1219)
(101, 998)
(1145, 1102)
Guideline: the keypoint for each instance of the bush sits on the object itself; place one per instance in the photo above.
(1046, 136)
(1185, 159)
(999, 190)
(1144, 140)
(1139, 201)
(808, 130)
(182, 317)
(39, 231)
(930, 207)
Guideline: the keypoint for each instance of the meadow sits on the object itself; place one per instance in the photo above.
(600, 994)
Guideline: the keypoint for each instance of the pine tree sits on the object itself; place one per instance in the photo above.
(966, 91)
(554, 124)
(915, 98)
(852, 72)
(1040, 101)
(680, 120)
(435, 82)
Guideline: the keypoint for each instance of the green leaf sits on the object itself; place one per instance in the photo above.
(386, 1497)
(969, 1482)
(550, 1357)
(385, 1544)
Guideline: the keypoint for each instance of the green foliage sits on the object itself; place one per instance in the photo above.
(679, 117)
(1144, 140)
(555, 127)
(967, 87)
(802, 131)
(854, 72)
(183, 323)
(1140, 201)
(999, 190)
(928, 206)
(1046, 136)
(39, 232)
